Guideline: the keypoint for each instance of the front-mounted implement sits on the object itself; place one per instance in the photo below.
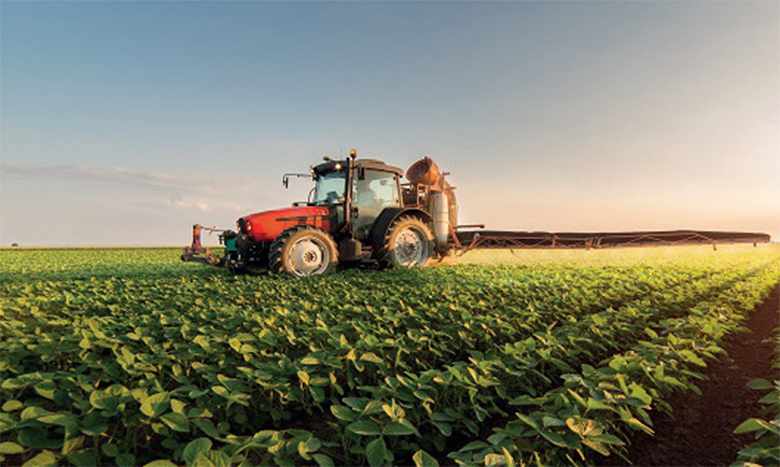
(360, 212)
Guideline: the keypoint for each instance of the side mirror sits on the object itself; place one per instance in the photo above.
(362, 173)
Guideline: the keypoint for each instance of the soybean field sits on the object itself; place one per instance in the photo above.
(131, 357)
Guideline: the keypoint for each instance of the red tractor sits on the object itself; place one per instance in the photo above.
(358, 212)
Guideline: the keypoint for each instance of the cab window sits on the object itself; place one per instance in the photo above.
(373, 193)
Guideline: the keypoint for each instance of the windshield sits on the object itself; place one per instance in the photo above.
(330, 188)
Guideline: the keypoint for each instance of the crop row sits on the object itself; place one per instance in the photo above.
(595, 409)
(439, 402)
(365, 367)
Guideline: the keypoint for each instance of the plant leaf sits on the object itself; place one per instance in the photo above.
(375, 452)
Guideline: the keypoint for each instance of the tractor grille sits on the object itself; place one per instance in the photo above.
(242, 226)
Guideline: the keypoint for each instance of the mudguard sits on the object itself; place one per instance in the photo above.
(386, 218)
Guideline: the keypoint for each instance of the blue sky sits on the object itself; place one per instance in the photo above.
(126, 122)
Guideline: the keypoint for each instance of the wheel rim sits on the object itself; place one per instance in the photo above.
(410, 247)
(308, 256)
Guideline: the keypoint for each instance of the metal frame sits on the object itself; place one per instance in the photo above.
(510, 240)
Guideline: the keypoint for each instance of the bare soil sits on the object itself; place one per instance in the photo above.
(701, 430)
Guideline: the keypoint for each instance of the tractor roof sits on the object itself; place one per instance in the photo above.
(373, 164)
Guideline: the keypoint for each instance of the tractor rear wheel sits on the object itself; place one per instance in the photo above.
(408, 243)
(303, 250)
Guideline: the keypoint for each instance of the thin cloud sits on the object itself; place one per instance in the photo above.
(179, 202)
(198, 182)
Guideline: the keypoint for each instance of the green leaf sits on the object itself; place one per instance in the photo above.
(693, 358)
(375, 452)
(639, 392)
(528, 420)
(494, 459)
(125, 460)
(102, 400)
(12, 383)
(510, 461)
(94, 424)
(423, 459)
(594, 404)
(311, 445)
(160, 463)
(12, 406)
(46, 389)
(633, 422)
(194, 448)
(176, 422)
(343, 413)
(608, 439)
(444, 428)
(548, 421)
(323, 460)
(8, 447)
(83, 459)
(71, 445)
(397, 429)
(370, 357)
(617, 363)
(32, 413)
(156, 405)
(474, 446)
(212, 459)
(36, 438)
(756, 384)
(110, 449)
(61, 419)
(596, 446)
(751, 424)
(206, 426)
(178, 406)
(553, 437)
(582, 427)
(44, 459)
(364, 427)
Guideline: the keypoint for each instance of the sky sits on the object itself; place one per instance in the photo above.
(125, 122)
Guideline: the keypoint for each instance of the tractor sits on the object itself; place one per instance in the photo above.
(359, 212)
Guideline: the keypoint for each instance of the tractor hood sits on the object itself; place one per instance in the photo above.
(267, 225)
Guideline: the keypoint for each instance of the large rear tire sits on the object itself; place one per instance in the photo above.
(302, 251)
(408, 242)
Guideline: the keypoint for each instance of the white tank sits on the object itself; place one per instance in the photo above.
(441, 218)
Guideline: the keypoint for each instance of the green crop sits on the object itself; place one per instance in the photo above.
(130, 357)
(766, 449)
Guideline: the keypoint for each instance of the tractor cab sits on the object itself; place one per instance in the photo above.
(358, 190)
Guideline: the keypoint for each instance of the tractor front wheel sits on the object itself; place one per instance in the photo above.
(408, 243)
(303, 251)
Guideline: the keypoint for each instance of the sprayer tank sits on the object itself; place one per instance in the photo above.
(441, 218)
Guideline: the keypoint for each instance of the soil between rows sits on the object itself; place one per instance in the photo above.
(701, 430)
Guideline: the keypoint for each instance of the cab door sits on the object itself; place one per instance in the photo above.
(372, 192)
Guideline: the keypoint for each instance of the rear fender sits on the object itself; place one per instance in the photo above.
(386, 219)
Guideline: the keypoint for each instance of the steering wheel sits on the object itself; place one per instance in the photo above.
(332, 197)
